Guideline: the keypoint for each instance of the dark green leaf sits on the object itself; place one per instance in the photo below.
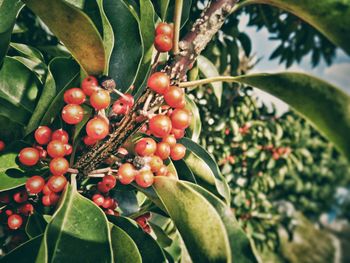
(127, 51)
(35, 226)
(148, 247)
(161, 7)
(185, 11)
(127, 201)
(75, 29)
(195, 127)
(77, 225)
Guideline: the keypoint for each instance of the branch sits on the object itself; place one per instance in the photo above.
(205, 27)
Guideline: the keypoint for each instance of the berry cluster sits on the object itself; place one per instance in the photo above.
(163, 41)
(142, 221)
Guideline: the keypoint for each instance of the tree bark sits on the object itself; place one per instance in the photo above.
(202, 31)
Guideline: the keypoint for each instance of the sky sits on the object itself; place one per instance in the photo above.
(338, 73)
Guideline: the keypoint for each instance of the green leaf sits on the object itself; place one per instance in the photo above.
(27, 252)
(196, 219)
(65, 73)
(325, 106)
(127, 201)
(194, 130)
(147, 33)
(13, 131)
(19, 85)
(205, 169)
(35, 226)
(124, 248)
(127, 51)
(185, 11)
(161, 7)
(77, 225)
(76, 31)
(9, 10)
(238, 239)
(28, 51)
(148, 247)
(208, 70)
(37, 67)
(184, 171)
(330, 17)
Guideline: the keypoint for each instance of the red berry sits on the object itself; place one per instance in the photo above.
(108, 203)
(57, 183)
(180, 119)
(43, 135)
(169, 139)
(160, 125)
(128, 99)
(59, 166)
(56, 149)
(162, 171)
(164, 29)
(98, 199)
(155, 163)
(89, 141)
(100, 99)
(146, 147)
(26, 209)
(20, 197)
(68, 149)
(8, 212)
(74, 96)
(126, 173)
(103, 188)
(174, 96)
(54, 198)
(4, 198)
(110, 181)
(89, 85)
(42, 154)
(46, 190)
(159, 82)
(72, 113)
(46, 200)
(35, 184)
(2, 146)
(14, 221)
(60, 135)
(144, 178)
(178, 133)
(163, 43)
(163, 150)
(177, 152)
(29, 156)
(120, 107)
(97, 128)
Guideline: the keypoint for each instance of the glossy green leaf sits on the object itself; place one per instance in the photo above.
(28, 51)
(12, 174)
(18, 85)
(35, 225)
(194, 130)
(124, 248)
(36, 66)
(27, 252)
(127, 51)
(77, 225)
(161, 7)
(75, 29)
(126, 200)
(197, 221)
(208, 70)
(330, 17)
(147, 33)
(205, 169)
(148, 247)
(65, 73)
(239, 242)
(9, 10)
(325, 106)
(184, 171)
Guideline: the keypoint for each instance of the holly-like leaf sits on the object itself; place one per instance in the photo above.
(76, 31)
(325, 106)
(148, 247)
(77, 225)
(331, 17)
(208, 70)
(127, 50)
(237, 238)
(205, 169)
(196, 219)
(9, 10)
(124, 247)
(27, 252)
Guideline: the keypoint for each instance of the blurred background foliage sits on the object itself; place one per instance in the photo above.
(275, 165)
